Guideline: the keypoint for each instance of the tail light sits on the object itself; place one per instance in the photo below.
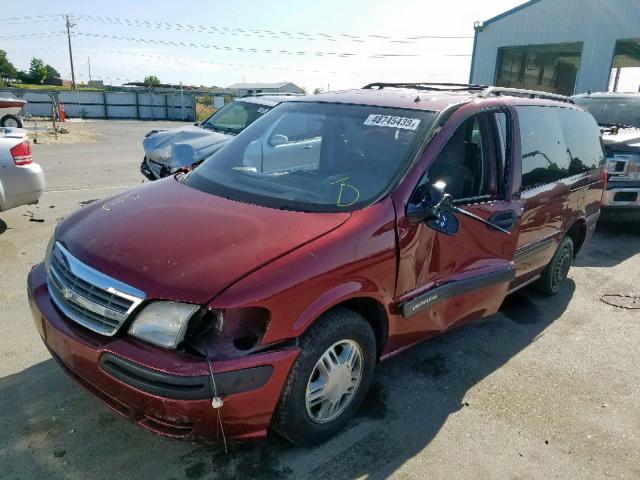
(21, 153)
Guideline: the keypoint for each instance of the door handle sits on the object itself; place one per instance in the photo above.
(506, 219)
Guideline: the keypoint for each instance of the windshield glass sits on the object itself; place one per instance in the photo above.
(320, 157)
(235, 117)
(619, 111)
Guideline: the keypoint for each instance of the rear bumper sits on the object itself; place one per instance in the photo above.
(165, 392)
(23, 185)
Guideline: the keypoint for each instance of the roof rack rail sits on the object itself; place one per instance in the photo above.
(436, 87)
(520, 92)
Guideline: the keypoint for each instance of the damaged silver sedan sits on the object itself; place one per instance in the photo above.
(167, 151)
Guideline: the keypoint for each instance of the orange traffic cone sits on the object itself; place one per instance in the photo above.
(61, 111)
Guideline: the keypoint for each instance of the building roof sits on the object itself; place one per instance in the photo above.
(244, 86)
(510, 12)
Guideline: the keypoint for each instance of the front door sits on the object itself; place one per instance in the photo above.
(458, 268)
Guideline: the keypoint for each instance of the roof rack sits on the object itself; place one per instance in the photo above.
(519, 92)
(486, 91)
(436, 87)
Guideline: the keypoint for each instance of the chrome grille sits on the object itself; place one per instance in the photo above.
(87, 296)
(155, 168)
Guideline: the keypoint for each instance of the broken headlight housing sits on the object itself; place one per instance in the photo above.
(163, 323)
(47, 255)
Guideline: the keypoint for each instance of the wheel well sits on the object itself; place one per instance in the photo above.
(578, 233)
(374, 313)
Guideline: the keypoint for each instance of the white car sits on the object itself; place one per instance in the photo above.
(10, 112)
(21, 180)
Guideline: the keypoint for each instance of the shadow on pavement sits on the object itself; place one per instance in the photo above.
(53, 429)
(612, 243)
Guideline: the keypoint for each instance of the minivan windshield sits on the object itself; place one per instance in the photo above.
(613, 111)
(234, 117)
(312, 156)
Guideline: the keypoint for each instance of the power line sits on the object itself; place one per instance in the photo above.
(31, 35)
(261, 33)
(207, 62)
(171, 43)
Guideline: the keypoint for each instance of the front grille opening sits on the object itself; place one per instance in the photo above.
(87, 296)
(625, 197)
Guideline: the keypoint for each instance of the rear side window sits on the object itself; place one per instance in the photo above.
(582, 137)
(544, 151)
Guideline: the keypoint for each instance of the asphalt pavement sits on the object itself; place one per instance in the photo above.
(546, 388)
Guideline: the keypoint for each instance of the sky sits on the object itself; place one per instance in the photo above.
(220, 43)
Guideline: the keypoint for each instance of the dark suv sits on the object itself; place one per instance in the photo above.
(260, 289)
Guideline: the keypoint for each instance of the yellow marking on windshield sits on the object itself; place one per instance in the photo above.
(343, 186)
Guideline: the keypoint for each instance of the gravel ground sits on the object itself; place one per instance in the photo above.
(546, 388)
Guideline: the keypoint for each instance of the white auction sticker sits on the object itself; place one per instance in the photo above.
(393, 122)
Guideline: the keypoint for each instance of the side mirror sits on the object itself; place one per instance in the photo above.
(430, 204)
(277, 140)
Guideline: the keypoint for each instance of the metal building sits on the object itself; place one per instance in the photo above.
(243, 89)
(559, 46)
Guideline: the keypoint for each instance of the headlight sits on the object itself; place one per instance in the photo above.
(47, 255)
(163, 323)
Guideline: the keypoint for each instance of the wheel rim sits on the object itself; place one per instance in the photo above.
(11, 123)
(561, 268)
(334, 381)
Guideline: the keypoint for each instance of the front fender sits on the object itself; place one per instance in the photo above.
(338, 294)
(358, 259)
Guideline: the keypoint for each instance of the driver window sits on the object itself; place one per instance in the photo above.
(468, 163)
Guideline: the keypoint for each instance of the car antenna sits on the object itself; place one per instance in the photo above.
(216, 401)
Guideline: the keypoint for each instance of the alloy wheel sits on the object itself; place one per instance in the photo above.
(334, 381)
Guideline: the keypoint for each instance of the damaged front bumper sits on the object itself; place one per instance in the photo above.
(166, 392)
(154, 170)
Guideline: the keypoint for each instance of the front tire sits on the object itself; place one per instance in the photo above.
(10, 121)
(329, 380)
(558, 268)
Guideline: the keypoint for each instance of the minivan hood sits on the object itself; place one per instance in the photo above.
(203, 142)
(176, 243)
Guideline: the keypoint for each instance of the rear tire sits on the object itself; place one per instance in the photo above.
(329, 380)
(558, 268)
(11, 121)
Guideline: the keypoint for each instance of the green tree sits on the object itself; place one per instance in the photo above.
(6, 67)
(52, 72)
(151, 80)
(318, 90)
(37, 70)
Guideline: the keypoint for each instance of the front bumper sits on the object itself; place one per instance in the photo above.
(622, 200)
(154, 170)
(145, 383)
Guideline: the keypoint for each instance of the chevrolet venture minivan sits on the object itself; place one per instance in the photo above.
(259, 290)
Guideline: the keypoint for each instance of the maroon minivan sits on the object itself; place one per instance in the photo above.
(260, 289)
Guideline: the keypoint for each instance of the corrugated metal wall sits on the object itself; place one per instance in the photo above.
(597, 23)
(112, 104)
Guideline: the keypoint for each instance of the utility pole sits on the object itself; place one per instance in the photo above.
(89, 63)
(68, 24)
